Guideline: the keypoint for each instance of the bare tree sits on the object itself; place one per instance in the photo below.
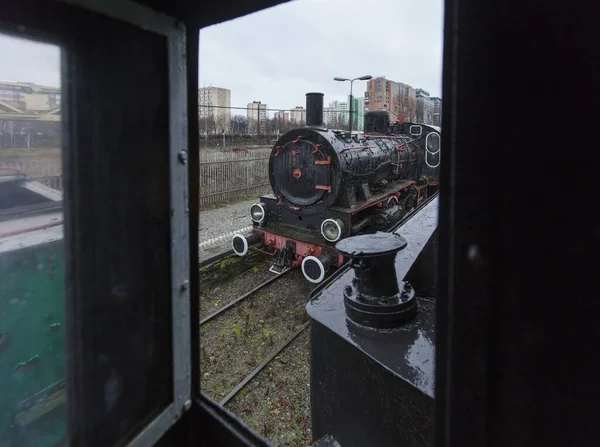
(343, 120)
(221, 124)
(420, 111)
(286, 124)
(239, 124)
(428, 116)
(30, 133)
(405, 105)
(207, 125)
(412, 109)
(338, 119)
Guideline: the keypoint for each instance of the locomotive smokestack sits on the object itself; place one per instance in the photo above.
(314, 109)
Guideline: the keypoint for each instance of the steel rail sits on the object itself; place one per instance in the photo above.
(264, 363)
(241, 298)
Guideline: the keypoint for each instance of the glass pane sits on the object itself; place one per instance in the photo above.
(295, 156)
(32, 337)
(121, 220)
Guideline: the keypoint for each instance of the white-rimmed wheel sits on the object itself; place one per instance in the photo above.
(239, 243)
(332, 229)
(313, 269)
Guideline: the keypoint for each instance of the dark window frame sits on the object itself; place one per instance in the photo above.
(466, 413)
(52, 25)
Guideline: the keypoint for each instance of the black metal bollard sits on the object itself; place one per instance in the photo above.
(376, 297)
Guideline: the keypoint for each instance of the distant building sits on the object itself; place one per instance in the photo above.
(297, 116)
(282, 116)
(425, 106)
(332, 114)
(344, 109)
(18, 98)
(358, 113)
(337, 114)
(437, 111)
(281, 121)
(257, 117)
(402, 100)
(404, 103)
(379, 93)
(213, 104)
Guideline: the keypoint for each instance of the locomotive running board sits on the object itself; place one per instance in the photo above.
(275, 269)
(284, 258)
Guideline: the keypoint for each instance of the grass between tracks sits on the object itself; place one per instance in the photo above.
(276, 403)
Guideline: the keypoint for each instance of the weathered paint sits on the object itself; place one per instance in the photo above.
(32, 361)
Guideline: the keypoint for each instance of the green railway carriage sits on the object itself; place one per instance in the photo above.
(32, 333)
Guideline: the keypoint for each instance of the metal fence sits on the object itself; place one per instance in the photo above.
(228, 176)
(225, 176)
(46, 172)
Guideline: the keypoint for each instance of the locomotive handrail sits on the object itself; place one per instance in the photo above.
(323, 162)
(389, 137)
(349, 148)
(385, 163)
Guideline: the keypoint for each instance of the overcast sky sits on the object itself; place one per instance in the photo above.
(28, 61)
(279, 54)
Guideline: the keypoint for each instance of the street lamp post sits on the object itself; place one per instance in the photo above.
(362, 78)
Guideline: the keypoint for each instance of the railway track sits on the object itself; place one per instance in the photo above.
(295, 301)
(264, 364)
(275, 278)
(242, 298)
(278, 349)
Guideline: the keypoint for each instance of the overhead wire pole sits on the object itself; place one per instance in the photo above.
(350, 110)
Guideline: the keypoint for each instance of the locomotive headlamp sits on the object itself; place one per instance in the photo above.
(257, 212)
(332, 229)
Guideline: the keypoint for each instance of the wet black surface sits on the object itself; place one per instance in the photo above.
(383, 377)
(407, 350)
(417, 232)
(376, 244)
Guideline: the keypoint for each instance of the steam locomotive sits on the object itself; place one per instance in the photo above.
(331, 184)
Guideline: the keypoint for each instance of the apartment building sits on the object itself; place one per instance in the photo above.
(282, 116)
(379, 94)
(213, 104)
(332, 114)
(297, 116)
(257, 117)
(358, 113)
(402, 100)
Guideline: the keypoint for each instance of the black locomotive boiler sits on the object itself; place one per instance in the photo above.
(328, 185)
